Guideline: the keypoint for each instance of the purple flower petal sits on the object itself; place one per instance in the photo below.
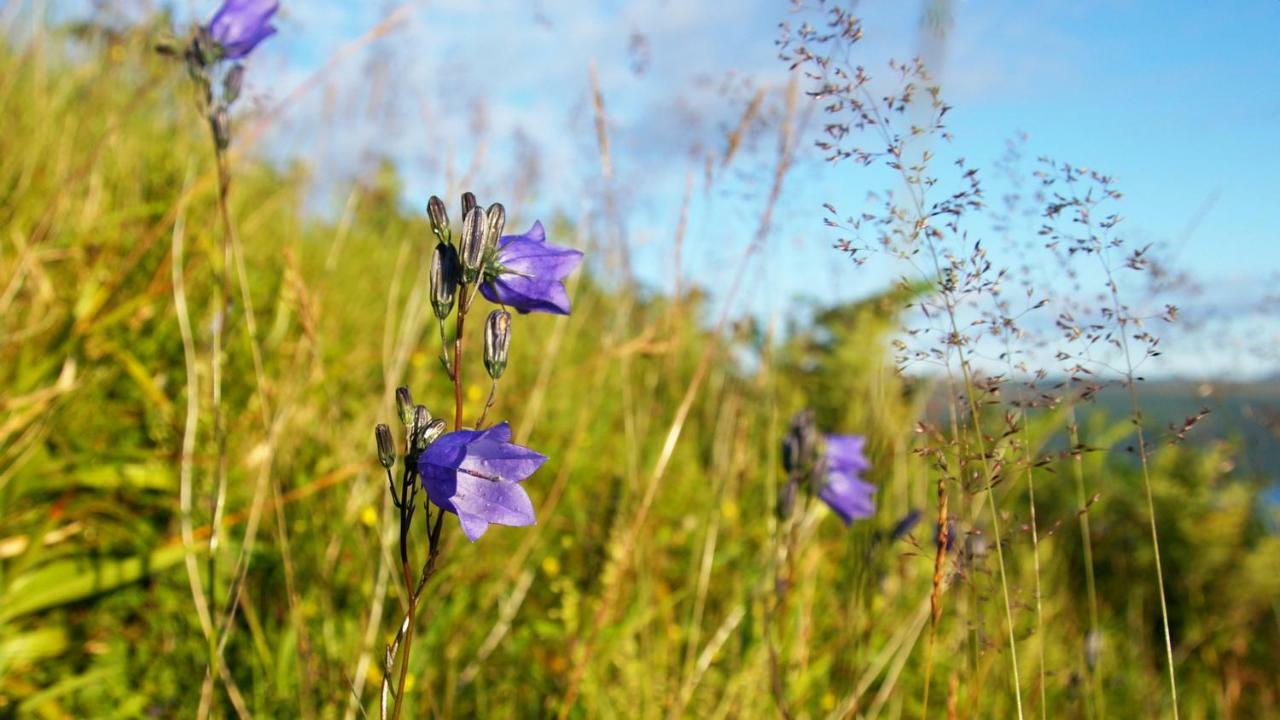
(527, 295)
(500, 432)
(531, 275)
(843, 488)
(488, 459)
(537, 259)
(239, 25)
(480, 502)
(845, 453)
(475, 474)
(473, 526)
(849, 497)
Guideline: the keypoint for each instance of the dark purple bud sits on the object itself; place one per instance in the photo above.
(439, 218)
(404, 405)
(497, 341)
(949, 541)
(471, 244)
(232, 84)
(220, 123)
(468, 202)
(445, 274)
(905, 525)
(800, 446)
(386, 446)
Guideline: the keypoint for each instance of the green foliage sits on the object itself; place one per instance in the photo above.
(100, 154)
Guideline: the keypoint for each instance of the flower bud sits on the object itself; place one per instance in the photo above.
(497, 341)
(468, 202)
(421, 419)
(386, 446)
(404, 405)
(232, 83)
(204, 49)
(496, 217)
(429, 434)
(471, 244)
(439, 218)
(220, 122)
(444, 279)
(800, 447)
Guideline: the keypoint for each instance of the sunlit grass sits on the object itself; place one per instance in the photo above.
(641, 592)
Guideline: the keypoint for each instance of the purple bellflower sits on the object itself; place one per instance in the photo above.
(528, 273)
(475, 474)
(843, 488)
(239, 25)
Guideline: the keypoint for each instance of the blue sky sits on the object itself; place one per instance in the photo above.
(1179, 100)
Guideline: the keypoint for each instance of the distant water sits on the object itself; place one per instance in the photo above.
(1244, 414)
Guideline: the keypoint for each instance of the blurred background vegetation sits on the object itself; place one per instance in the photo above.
(639, 592)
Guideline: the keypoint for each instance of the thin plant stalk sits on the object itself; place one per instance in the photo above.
(1086, 541)
(1136, 415)
(189, 427)
(414, 589)
(917, 199)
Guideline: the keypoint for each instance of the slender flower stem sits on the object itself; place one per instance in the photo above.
(408, 494)
(1086, 540)
(1121, 316)
(463, 303)
(916, 191)
(222, 312)
(942, 541)
(784, 560)
(493, 396)
(1136, 415)
(444, 350)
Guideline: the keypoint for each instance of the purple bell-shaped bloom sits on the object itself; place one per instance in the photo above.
(530, 273)
(842, 487)
(475, 474)
(239, 25)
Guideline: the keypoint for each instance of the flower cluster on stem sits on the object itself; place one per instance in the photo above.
(472, 472)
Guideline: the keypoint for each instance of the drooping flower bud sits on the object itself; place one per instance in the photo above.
(496, 220)
(497, 341)
(386, 446)
(220, 122)
(439, 218)
(429, 435)
(444, 279)
(404, 405)
(471, 244)
(800, 447)
(468, 202)
(232, 84)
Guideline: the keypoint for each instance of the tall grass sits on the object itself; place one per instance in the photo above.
(643, 590)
